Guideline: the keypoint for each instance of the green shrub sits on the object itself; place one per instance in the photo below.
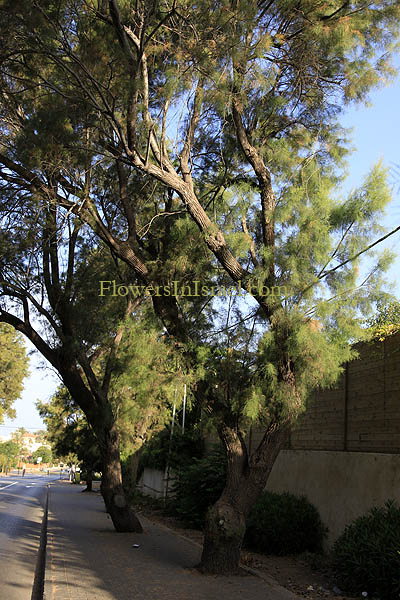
(284, 524)
(366, 557)
(198, 486)
(177, 452)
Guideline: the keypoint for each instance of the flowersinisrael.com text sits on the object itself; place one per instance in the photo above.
(175, 288)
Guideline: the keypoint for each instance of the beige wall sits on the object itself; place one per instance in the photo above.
(362, 412)
(342, 485)
(152, 483)
(156, 483)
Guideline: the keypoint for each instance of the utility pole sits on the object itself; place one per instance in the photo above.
(184, 409)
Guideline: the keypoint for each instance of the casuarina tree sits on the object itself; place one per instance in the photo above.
(47, 294)
(222, 116)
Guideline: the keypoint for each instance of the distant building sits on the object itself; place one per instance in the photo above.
(31, 442)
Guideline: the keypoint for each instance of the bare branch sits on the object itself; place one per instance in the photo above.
(193, 123)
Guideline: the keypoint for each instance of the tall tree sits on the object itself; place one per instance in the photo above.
(13, 369)
(144, 381)
(46, 276)
(47, 300)
(226, 111)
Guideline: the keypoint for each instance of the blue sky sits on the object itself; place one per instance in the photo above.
(376, 135)
(40, 385)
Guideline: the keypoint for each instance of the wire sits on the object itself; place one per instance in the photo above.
(21, 427)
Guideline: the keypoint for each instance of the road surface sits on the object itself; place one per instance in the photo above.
(22, 502)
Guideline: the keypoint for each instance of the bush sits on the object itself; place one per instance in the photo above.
(366, 557)
(177, 452)
(198, 486)
(284, 524)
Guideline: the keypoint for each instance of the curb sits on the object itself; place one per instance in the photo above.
(48, 591)
(38, 582)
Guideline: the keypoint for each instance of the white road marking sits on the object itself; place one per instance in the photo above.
(9, 485)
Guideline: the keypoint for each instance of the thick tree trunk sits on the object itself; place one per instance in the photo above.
(223, 537)
(123, 517)
(225, 524)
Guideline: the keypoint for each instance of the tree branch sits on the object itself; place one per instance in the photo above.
(266, 191)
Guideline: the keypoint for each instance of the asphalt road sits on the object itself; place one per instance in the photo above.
(22, 501)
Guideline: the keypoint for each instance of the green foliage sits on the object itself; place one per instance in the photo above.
(177, 451)
(13, 369)
(258, 88)
(9, 453)
(45, 453)
(387, 320)
(278, 523)
(316, 358)
(3, 463)
(87, 108)
(198, 486)
(284, 524)
(366, 556)
(71, 438)
(147, 378)
(17, 436)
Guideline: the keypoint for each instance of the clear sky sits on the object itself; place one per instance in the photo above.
(40, 385)
(376, 135)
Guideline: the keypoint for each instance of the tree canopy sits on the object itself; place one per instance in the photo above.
(9, 454)
(13, 369)
(200, 142)
(68, 431)
(386, 321)
(223, 113)
(44, 453)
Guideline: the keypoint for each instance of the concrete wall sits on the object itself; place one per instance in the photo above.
(154, 483)
(342, 485)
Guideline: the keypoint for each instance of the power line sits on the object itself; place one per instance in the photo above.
(20, 426)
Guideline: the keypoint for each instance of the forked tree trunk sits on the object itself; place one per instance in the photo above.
(123, 517)
(225, 524)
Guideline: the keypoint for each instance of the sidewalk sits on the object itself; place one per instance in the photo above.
(87, 560)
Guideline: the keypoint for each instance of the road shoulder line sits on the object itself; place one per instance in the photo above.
(9, 485)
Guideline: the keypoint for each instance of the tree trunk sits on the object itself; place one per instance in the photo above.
(123, 517)
(225, 524)
(224, 532)
(89, 481)
(130, 474)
